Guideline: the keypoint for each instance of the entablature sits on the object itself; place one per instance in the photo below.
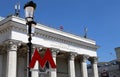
(59, 38)
(49, 29)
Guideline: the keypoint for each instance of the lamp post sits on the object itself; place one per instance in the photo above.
(29, 17)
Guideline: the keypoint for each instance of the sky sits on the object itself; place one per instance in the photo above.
(101, 17)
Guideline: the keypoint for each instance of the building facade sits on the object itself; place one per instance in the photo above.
(69, 52)
(111, 68)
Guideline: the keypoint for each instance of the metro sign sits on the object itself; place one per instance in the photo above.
(42, 60)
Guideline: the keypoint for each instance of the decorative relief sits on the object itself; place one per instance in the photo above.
(20, 28)
(62, 46)
(4, 30)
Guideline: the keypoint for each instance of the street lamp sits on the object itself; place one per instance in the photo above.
(29, 17)
(29, 10)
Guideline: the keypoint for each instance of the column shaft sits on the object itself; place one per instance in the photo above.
(71, 66)
(11, 61)
(53, 72)
(94, 67)
(84, 67)
(95, 70)
(36, 67)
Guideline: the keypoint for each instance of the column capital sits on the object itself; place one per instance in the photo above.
(12, 44)
(54, 52)
(22, 50)
(84, 58)
(93, 60)
(9, 45)
(72, 55)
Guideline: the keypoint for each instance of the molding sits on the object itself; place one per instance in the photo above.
(62, 40)
(50, 33)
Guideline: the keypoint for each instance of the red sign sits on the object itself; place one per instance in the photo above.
(42, 60)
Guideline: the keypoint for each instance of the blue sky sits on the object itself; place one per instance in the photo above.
(101, 17)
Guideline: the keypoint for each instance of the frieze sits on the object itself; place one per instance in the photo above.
(62, 46)
(4, 30)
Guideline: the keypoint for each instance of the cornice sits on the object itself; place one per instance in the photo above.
(49, 33)
(55, 31)
(65, 34)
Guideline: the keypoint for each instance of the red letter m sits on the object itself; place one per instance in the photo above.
(42, 61)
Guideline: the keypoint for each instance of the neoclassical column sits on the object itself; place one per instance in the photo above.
(11, 70)
(71, 64)
(94, 66)
(53, 72)
(84, 66)
(36, 67)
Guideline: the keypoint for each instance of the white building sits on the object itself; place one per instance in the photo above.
(70, 52)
